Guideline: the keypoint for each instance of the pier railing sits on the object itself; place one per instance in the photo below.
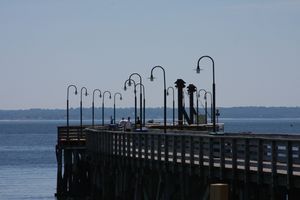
(69, 135)
(256, 158)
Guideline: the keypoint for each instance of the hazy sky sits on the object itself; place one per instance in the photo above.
(47, 45)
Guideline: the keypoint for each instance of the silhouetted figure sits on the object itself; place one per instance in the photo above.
(128, 125)
(138, 121)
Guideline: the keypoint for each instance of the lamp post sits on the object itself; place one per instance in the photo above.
(68, 107)
(144, 102)
(205, 96)
(141, 103)
(165, 94)
(198, 96)
(173, 103)
(213, 88)
(103, 105)
(135, 100)
(93, 105)
(83, 88)
(117, 93)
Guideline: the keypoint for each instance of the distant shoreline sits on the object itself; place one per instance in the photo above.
(151, 113)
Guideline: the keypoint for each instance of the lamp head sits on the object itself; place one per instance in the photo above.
(86, 94)
(129, 82)
(100, 95)
(125, 88)
(121, 98)
(167, 93)
(76, 92)
(151, 77)
(110, 96)
(198, 70)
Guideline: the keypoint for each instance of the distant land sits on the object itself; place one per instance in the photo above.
(151, 113)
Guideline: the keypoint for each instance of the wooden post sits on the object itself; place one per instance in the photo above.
(218, 191)
(152, 151)
(260, 154)
(289, 156)
(174, 153)
(59, 189)
(201, 156)
(192, 158)
(222, 158)
(166, 151)
(234, 169)
(211, 158)
(274, 169)
(246, 170)
(146, 150)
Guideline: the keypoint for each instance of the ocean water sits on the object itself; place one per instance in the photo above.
(27, 153)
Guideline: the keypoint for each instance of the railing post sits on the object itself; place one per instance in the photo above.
(274, 169)
(120, 144)
(174, 152)
(260, 153)
(159, 149)
(133, 145)
(289, 164)
(146, 149)
(222, 158)
(182, 138)
(115, 144)
(247, 168)
(192, 154)
(166, 151)
(201, 156)
(234, 168)
(139, 148)
(128, 136)
(123, 147)
(211, 158)
(152, 150)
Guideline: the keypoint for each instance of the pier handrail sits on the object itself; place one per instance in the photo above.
(250, 153)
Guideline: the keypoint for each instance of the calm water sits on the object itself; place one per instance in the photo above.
(27, 153)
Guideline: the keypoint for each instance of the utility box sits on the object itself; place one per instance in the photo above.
(219, 191)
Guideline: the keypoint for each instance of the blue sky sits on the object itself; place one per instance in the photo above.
(47, 45)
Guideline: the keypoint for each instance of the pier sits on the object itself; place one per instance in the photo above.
(190, 159)
(180, 164)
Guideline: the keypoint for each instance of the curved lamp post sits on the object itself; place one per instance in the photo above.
(144, 102)
(198, 96)
(83, 88)
(68, 107)
(165, 94)
(211, 106)
(141, 96)
(173, 103)
(103, 105)
(213, 89)
(117, 93)
(93, 105)
(135, 100)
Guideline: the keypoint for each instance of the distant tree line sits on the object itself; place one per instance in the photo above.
(151, 113)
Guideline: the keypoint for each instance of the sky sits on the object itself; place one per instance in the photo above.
(47, 45)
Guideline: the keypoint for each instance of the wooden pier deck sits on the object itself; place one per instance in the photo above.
(154, 165)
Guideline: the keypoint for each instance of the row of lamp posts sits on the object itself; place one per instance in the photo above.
(142, 100)
(84, 89)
